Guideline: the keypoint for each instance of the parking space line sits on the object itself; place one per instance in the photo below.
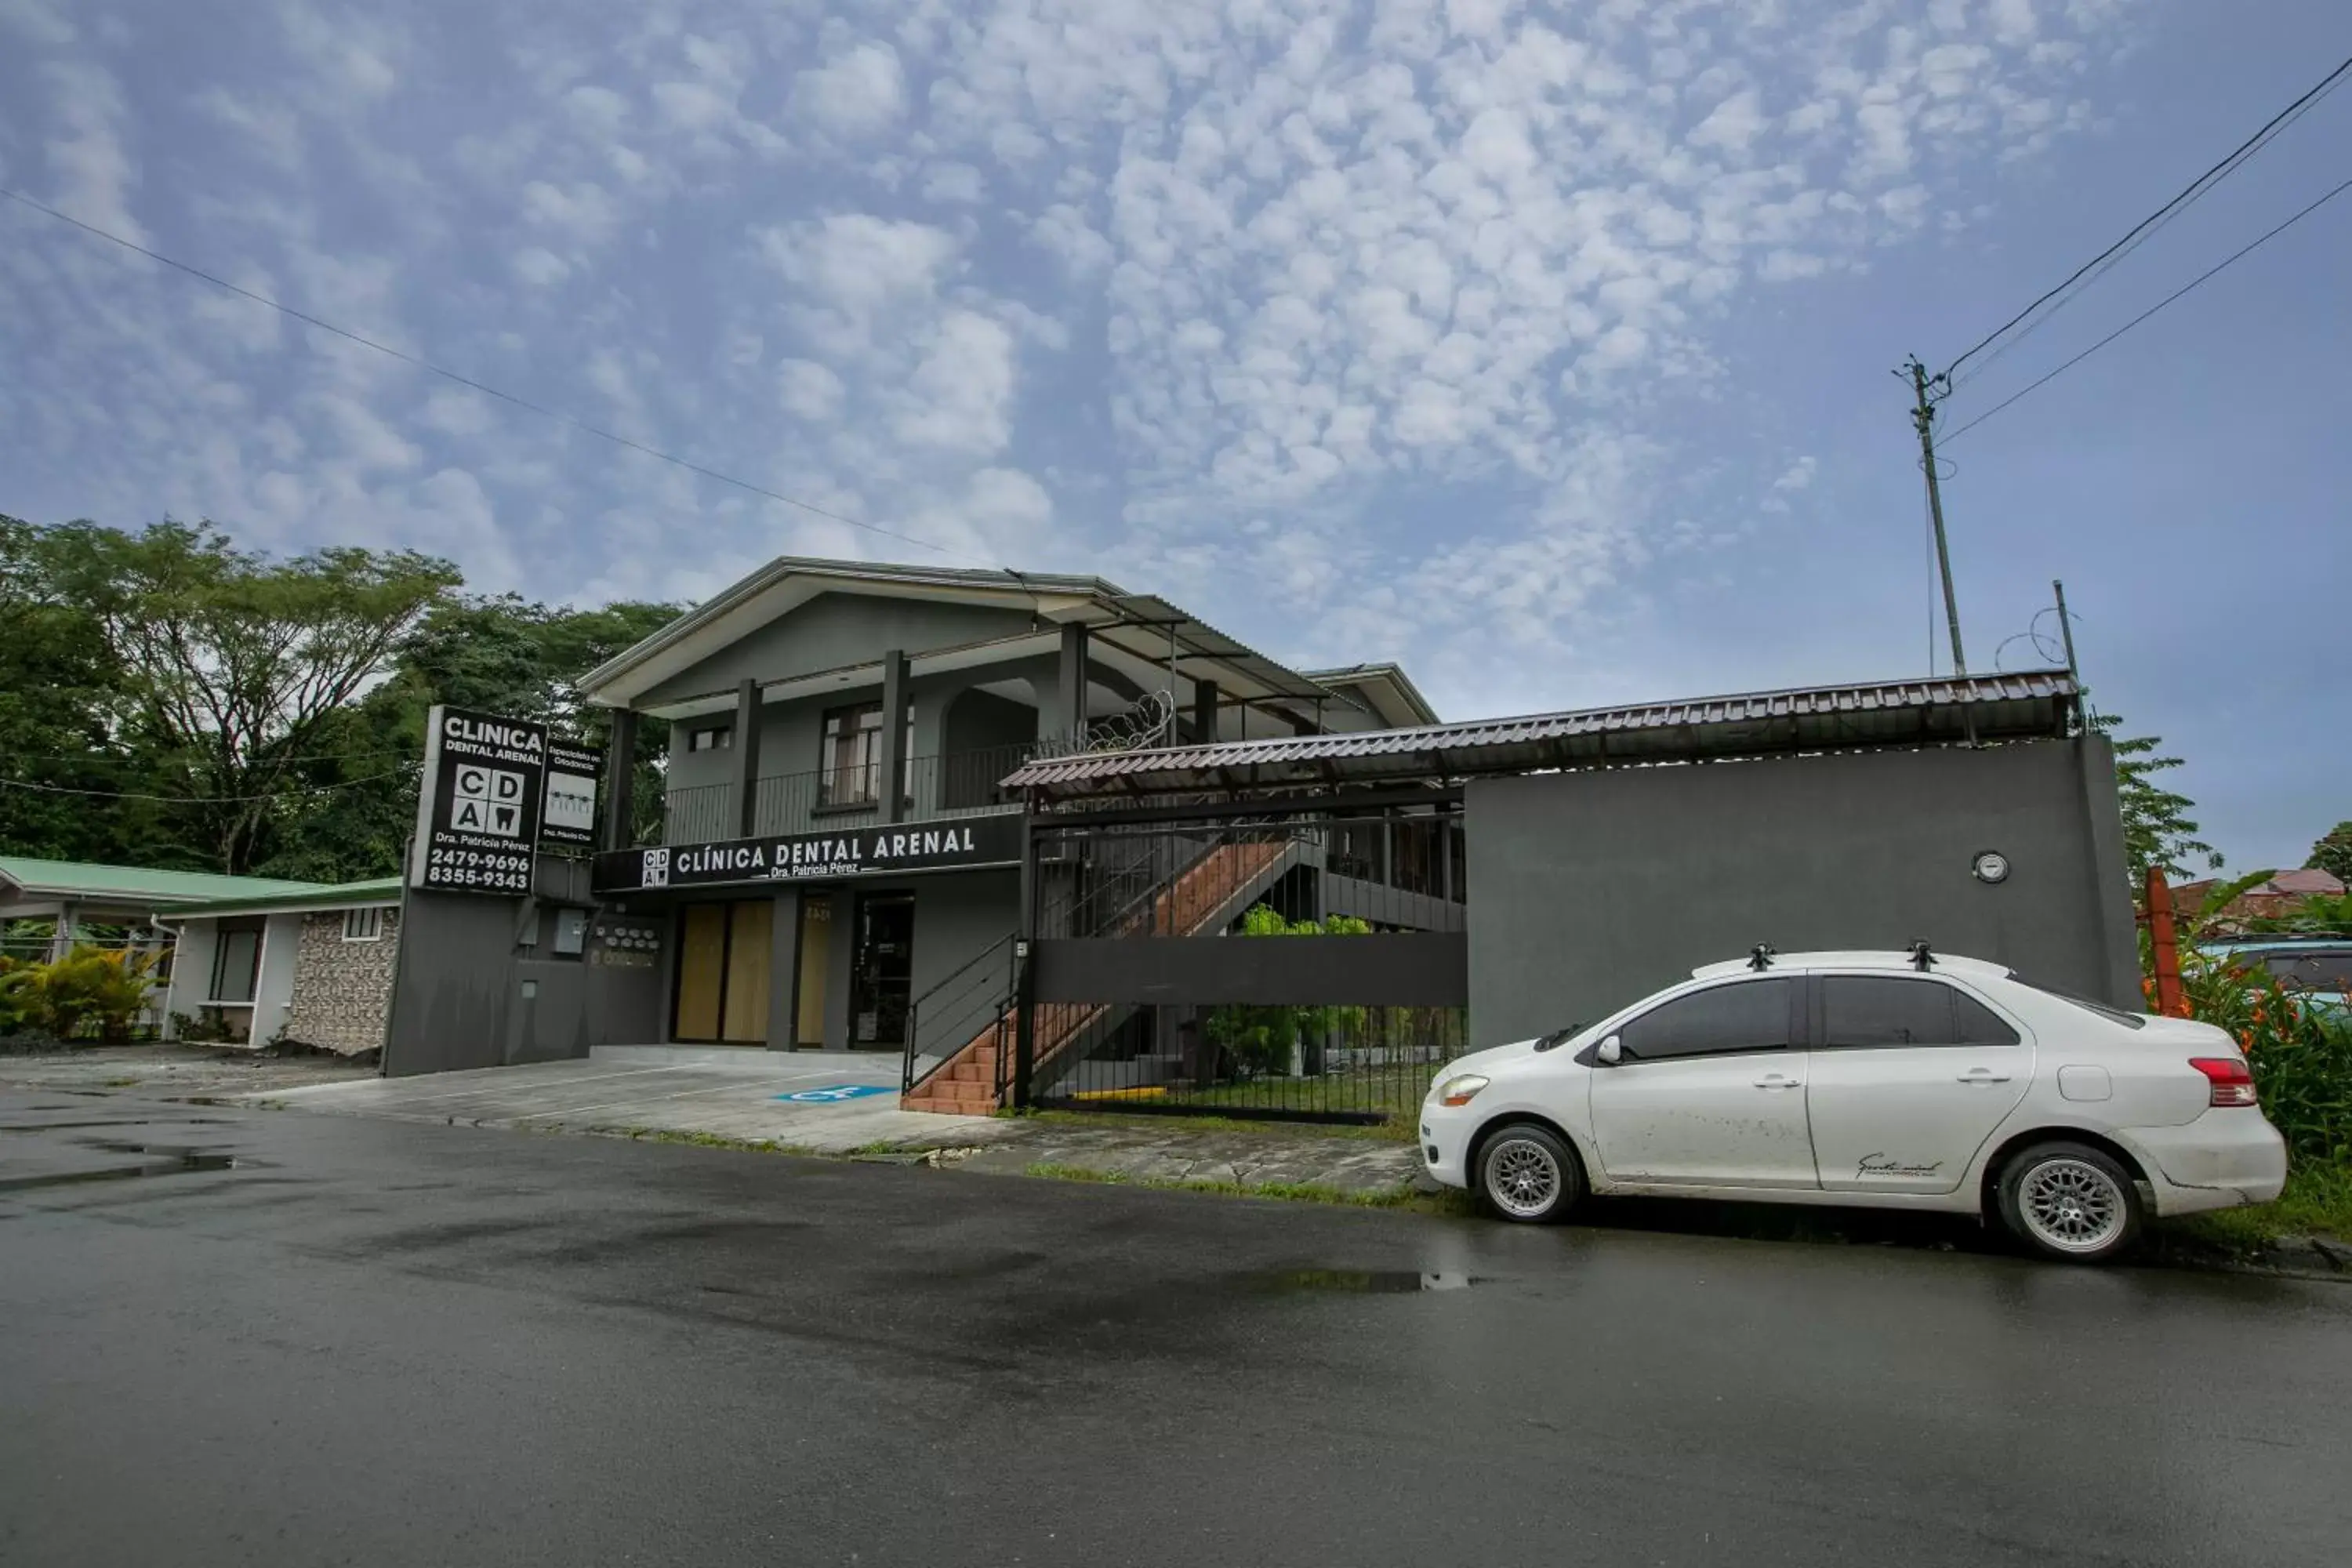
(763, 1085)
(506, 1088)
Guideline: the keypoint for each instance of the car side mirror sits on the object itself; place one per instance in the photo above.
(1611, 1053)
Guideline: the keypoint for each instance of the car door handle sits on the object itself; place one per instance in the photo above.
(1776, 1080)
(1984, 1075)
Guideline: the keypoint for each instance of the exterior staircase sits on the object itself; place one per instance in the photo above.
(977, 1079)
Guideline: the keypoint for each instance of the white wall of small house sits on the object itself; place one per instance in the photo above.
(273, 988)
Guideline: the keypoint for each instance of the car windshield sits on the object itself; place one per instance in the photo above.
(2129, 1020)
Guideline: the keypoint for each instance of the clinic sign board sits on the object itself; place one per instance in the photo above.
(568, 820)
(954, 845)
(479, 811)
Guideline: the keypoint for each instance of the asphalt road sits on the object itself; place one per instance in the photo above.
(385, 1343)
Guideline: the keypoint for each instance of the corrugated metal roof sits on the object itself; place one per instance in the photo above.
(1881, 713)
(334, 895)
(133, 884)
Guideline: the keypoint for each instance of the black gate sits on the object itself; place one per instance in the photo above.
(1301, 960)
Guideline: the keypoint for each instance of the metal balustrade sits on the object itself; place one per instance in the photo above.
(956, 784)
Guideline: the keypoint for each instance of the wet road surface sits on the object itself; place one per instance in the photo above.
(386, 1344)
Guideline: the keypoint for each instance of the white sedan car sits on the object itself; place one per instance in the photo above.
(1882, 1080)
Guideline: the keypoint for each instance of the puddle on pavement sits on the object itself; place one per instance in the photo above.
(1364, 1282)
(163, 1161)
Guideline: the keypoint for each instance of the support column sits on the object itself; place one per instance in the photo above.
(61, 938)
(747, 758)
(620, 781)
(783, 972)
(1205, 712)
(1070, 719)
(893, 782)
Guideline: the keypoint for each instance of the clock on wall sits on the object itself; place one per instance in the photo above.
(1991, 866)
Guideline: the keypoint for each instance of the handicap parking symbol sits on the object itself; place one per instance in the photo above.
(832, 1094)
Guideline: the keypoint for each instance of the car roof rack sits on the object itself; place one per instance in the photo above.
(1922, 958)
(1760, 955)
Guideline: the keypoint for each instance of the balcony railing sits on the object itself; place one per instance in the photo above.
(959, 783)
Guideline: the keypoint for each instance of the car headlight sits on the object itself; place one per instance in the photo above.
(1460, 1089)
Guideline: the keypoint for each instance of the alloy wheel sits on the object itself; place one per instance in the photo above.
(2071, 1206)
(1522, 1177)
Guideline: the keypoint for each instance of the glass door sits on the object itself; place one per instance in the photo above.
(883, 971)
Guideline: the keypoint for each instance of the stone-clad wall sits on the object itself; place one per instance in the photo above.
(342, 990)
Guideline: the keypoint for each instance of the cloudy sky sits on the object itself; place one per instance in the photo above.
(1545, 348)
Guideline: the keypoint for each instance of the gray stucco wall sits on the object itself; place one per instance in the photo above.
(459, 992)
(957, 916)
(836, 629)
(1589, 889)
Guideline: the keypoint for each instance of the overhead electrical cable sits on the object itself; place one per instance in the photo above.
(203, 799)
(2056, 298)
(2217, 267)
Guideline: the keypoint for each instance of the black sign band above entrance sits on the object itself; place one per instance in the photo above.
(477, 814)
(954, 845)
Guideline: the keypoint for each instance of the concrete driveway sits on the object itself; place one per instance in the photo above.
(825, 1102)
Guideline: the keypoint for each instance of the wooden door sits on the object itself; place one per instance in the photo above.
(749, 944)
(702, 971)
(816, 955)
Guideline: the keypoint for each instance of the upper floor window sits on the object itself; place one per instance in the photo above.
(712, 738)
(849, 761)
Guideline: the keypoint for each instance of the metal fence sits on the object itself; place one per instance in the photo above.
(1356, 1052)
(956, 784)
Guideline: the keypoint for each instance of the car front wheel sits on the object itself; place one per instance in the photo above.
(2071, 1201)
(1528, 1174)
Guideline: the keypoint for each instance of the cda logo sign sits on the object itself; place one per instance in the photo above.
(478, 811)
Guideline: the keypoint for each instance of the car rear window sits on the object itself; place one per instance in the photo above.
(1866, 1012)
(2329, 970)
(2128, 1020)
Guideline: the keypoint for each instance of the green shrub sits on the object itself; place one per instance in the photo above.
(2301, 1054)
(89, 993)
(1260, 1041)
(18, 983)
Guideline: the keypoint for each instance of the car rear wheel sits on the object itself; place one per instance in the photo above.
(2071, 1201)
(1528, 1174)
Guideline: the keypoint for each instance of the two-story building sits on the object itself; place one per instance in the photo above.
(853, 721)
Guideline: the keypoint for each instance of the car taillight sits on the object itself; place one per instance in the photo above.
(2232, 1083)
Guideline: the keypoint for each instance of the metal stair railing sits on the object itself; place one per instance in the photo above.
(971, 1001)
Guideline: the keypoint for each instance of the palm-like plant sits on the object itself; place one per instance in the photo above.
(89, 992)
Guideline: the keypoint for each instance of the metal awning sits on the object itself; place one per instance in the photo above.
(1149, 627)
(2034, 704)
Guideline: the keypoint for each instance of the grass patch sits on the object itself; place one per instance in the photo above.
(1210, 1123)
(1448, 1203)
(2317, 1201)
(704, 1141)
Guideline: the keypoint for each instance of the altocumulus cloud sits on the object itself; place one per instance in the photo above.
(1378, 306)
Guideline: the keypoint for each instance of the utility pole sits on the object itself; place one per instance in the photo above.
(1922, 417)
(2066, 629)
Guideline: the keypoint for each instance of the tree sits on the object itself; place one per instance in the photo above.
(236, 671)
(2157, 829)
(498, 654)
(57, 683)
(2333, 852)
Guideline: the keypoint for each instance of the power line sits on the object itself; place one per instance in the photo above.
(108, 760)
(2152, 309)
(201, 800)
(2190, 192)
(484, 387)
